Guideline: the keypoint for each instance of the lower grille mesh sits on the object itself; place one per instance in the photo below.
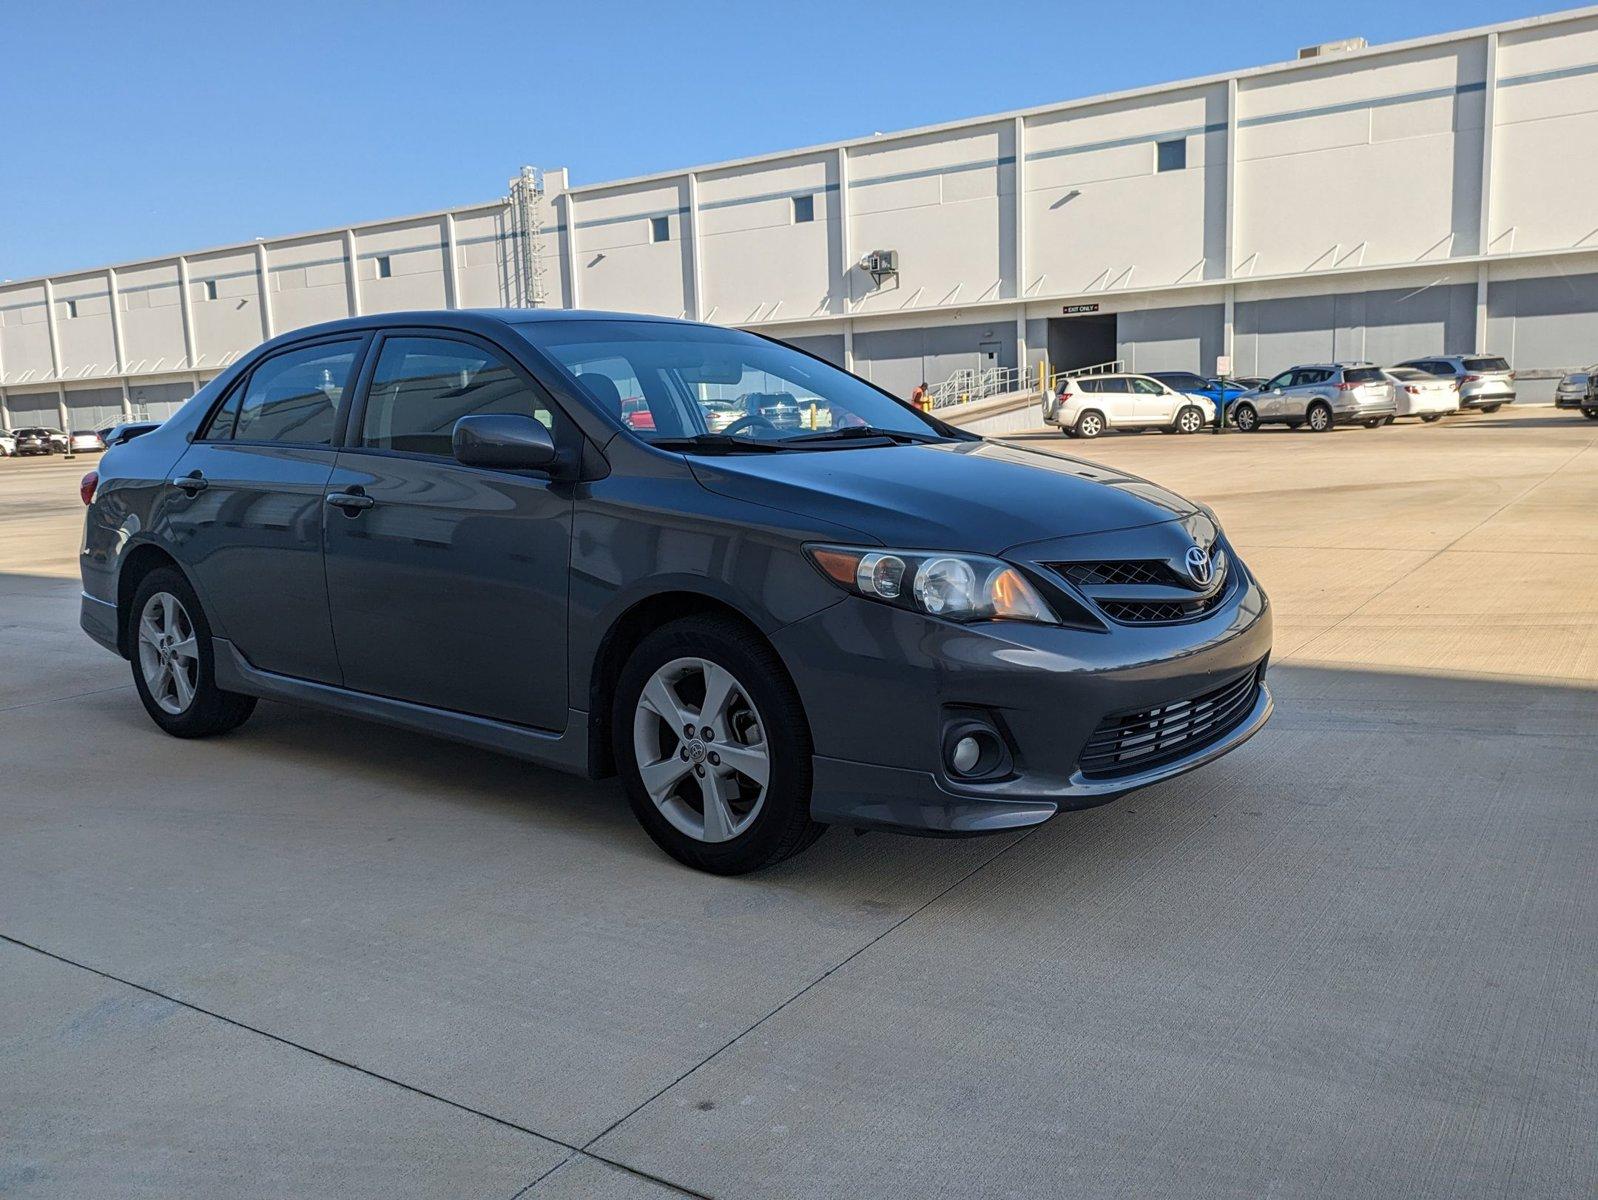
(1140, 741)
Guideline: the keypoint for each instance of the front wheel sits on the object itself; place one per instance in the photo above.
(1590, 413)
(174, 667)
(1245, 419)
(1430, 417)
(713, 747)
(1374, 423)
(1190, 420)
(1491, 408)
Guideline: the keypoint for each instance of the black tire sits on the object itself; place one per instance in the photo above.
(1430, 417)
(1318, 418)
(1375, 423)
(1590, 413)
(1190, 419)
(212, 710)
(1089, 424)
(1491, 408)
(782, 827)
(1245, 419)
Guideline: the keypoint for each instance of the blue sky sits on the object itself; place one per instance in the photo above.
(137, 129)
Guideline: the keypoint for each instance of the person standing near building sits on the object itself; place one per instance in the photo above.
(922, 397)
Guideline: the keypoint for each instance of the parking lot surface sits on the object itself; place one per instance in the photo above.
(1357, 957)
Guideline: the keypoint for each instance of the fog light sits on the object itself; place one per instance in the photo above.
(967, 753)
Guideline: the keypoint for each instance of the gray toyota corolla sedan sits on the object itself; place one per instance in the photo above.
(517, 529)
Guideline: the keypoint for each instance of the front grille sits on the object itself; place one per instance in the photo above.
(1151, 612)
(1131, 743)
(1089, 574)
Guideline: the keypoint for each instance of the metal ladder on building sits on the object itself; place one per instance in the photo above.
(526, 202)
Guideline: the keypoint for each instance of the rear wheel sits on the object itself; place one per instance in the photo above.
(714, 748)
(174, 668)
(1491, 408)
(1189, 420)
(1319, 417)
(1089, 425)
(1590, 413)
(1430, 417)
(1375, 423)
(1246, 419)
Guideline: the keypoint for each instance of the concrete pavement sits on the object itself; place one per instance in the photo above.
(324, 958)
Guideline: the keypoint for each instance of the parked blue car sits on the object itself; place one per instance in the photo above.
(1220, 392)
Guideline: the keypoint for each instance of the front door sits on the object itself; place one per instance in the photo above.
(448, 583)
(246, 508)
(1152, 403)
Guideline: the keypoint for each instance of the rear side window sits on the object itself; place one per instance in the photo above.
(422, 386)
(1362, 375)
(1486, 364)
(291, 397)
(1117, 384)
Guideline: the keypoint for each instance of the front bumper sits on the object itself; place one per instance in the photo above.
(881, 684)
(1570, 400)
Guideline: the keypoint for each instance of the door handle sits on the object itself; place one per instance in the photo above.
(350, 502)
(193, 484)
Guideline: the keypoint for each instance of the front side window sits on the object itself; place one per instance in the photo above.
(1285, 379)
(670, 381)
(292, 397)
(1147, 387)
(423, 385)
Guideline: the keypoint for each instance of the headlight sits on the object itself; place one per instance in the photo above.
(956, 587)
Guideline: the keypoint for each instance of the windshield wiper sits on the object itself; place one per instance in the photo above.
(715, 441)
(897, 436)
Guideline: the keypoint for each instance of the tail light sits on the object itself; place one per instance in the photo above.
(1471, 379)
(1347, 387)
(1412, 389)
(87, 485)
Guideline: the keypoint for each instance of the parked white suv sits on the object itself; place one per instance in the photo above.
(1086, 405)
(8, 444)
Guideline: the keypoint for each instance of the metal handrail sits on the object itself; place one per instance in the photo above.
(972, 383)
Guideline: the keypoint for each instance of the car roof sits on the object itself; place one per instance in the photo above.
(471, 318)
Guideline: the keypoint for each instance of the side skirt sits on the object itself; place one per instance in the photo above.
(567, 751)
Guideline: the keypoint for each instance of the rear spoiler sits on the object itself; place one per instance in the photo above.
(129, 430)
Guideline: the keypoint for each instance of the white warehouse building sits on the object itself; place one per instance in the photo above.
(1431, 196)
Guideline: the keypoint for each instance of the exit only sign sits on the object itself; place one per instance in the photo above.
(1072, 310)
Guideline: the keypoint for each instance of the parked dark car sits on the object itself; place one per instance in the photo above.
(442, 520)
(780, 410)
(37, 439)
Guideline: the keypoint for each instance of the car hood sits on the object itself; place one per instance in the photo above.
(976, 496)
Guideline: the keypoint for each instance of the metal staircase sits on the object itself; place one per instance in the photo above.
(526, 202)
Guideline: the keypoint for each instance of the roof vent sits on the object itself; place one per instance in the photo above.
(1325, 48)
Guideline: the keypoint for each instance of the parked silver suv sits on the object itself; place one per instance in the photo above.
(1485, 380)
(1318, 395)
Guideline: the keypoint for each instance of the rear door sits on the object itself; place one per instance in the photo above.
(245, 507)
(1115, 399)
(448, 583)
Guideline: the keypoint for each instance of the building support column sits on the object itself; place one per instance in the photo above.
(696, 277)
(452, 283)
(848, 345)
(1484, 222)
(186, 309)
(55, 353)
(352, 280)
(570, 206)
(845, 251)
(1229, 327)
(1229, 227)
(263, 287)
(1019, 217)
(114, 297)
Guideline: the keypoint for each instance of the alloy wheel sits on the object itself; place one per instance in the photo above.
(1190, 420)
(701, 749)
(169, 655)
(1319, 418)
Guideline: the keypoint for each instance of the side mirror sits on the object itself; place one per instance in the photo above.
(508, 441)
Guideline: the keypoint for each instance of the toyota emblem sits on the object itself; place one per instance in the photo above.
(1198, 565)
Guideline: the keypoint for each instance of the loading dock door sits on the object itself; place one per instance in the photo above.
(1086, 341)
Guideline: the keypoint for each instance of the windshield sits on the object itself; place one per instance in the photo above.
(668, 382)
